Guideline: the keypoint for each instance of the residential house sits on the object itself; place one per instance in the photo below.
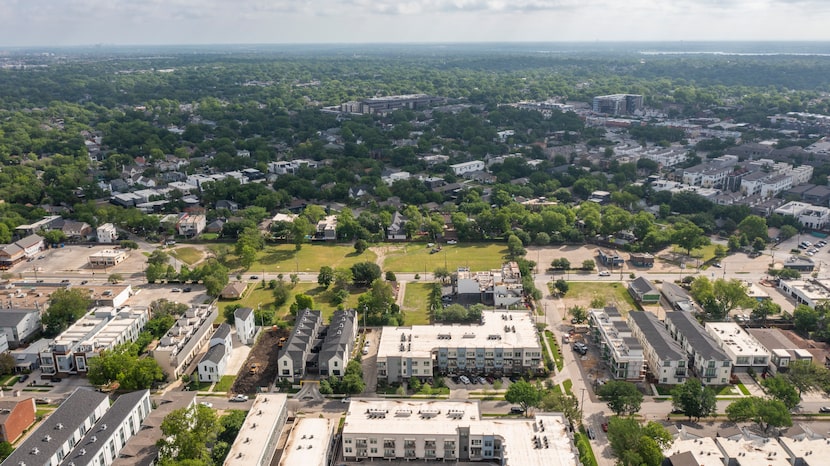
(618, 347)
(233, 290)
(212, 366)
(191, 225)
(19, 326)
(25, 248)
(503, 343)
(296, 352)
(395, 231)
(501, 288)
(243, 319)
(180, 345)
(106, 233)
(708, 361)
(643, 291)
(226, 204)
(327, 229)
(666, 360)
(338, 344)
(61, 431)
(677, 297)
(17, 414)
(75, 230)
(460, 169)
(782, 350)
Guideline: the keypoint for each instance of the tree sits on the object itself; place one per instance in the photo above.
(561, 287)
(636, 445)
(621, 397)
(364, 273)
(588, 264)
(805, 376)
(805, 319)
(301, 302)
(781, 389)
(7, 363)
(765, 308)
(523, 394)
(325, 276)
(122, 365)
(342, 278)
(786, 232)
(65, 307)
(360, 246)
(515, 248)
(766, 413)
(754, 227)
(115, 278)
(695, 400)
(559, 402)
(187, 433)
(6, 449)
(578, 314)
(689, 236)
(299, 230)
(720, 297)
(441, 273)
(390, 276)
(229, 311)
(560, 264)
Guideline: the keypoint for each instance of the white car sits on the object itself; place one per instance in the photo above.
(605, 273)
(346, 400)
(206, 404)
(176, 290)
(452, 241)
(239, 398)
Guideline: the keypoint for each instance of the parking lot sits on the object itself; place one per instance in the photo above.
(74, 259)
(146, 294)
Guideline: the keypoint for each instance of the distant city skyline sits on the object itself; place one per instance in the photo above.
(159, 22)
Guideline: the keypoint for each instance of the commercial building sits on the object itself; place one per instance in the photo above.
(609, 257)
(617, 345)
(17, 414)
(813, 217)
(800, 264)
(212, 366)
(59, 432)
(666, 360)
(506, 342)
(107, 258)
(643, 291)
(243, 319)
(25, 248)
(256, 441)
(453, 431)
(103, 328)
(109, 295)
(180, 345)
(641, 259)
(617, 104)
(782, 350)
(310, 443)
(811, 292)
(708, 361)
(741, 347)
(501, 288)
(384, 105)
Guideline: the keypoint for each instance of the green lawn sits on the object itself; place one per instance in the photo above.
(705, 253)
(416, 257)
(415, 302)
(614, 294)
(264, 297)
(283, 258)
(225, 383)
(568, 384)
(557, 353)
(187, 254)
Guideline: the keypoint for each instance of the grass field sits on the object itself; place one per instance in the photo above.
(614, 294)
(417, 257)
(705, 253)
(187, 254)
(264, 297)
(224, 383)
(415, 301)
(284, 258)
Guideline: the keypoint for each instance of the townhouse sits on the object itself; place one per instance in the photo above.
(707, 360)
(618, 346)
(666, 360)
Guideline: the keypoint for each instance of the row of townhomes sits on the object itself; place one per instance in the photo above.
(316, 348)
(501, 288)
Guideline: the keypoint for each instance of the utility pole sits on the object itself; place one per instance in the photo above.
(582, 406)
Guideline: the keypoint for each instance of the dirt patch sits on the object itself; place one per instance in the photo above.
(265, 353)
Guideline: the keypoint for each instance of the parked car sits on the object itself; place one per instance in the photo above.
(254, 277)
(55, 379)
(23, 378)
(43, 401)
(187, 290)
(717, 265)
(516, 410)
(824, 409)
(176, 290)
(591, 434)
(84, 282)
(452, 241)
(206, 404)
(464, 380)
(239, 398)
(346, 400)
(605, 273)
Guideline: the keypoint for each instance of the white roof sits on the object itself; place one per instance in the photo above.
(496, 331)
(705, 450)
(256, 430)
(731, 336)
(308, 442)
(814, 451)
(762, 451)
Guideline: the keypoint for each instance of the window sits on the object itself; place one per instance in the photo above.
(347, 441)
(284, 363)
(666, 363)
(373, 441)
(373, 450)
(348, 449)
(335, 363)
(726, 363)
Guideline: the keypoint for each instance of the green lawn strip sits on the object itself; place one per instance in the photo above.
(706, 253)
(614, 294)
(187, 254)
(726, 390)
(284, 258)
(554, 347)
(743, 389)
(415, 302)
(568, 384)
(664, 390)
(416, 257)
(225, 383)
(586, 453)
(9, 379)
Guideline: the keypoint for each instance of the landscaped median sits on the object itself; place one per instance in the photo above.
(554, 347)
(586, 453)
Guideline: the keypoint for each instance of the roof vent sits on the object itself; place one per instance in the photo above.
(48, 438)
(35, 451)
(82, 452)
(59, 426)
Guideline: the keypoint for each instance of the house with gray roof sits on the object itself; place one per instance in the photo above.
(665, 358)
(707, 360)
(112, 432)
(19, 325)
(60, 432)
(243, 320)
(296, 354)
(643, 291)
(677, 297)
(212, 366)
(395, 230)
(338, 343)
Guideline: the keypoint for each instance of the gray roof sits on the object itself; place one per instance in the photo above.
(11, 318)
(697, 337)
(302, 337)
(677, 296)
(29, 241)
(642, 286)
(141, 449)
(115, 416)
(214, 354)
(655, 334)
(243, 313)
(60, 426)
(340, 336)
(223, 331)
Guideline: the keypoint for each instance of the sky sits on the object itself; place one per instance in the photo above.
(159, 22)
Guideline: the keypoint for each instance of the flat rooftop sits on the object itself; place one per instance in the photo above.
(496, 331)
(765, 452)
(256, 430)
(308, 442)
(103, 326)
(731, 336)
(705, 450)
(812, 451)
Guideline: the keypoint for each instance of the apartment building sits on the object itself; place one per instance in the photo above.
(618, 346)
(384, 105)
(106, 233)
(666, 360)
(501, 288)
(506, 342)
(243, 319)
(707, 361)
(466, 167)
(256, 441)
(180, 345)
(103, 328)
(453, 431)
(711, 174)
(310, 443)
(742, 348)
(617, 104)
